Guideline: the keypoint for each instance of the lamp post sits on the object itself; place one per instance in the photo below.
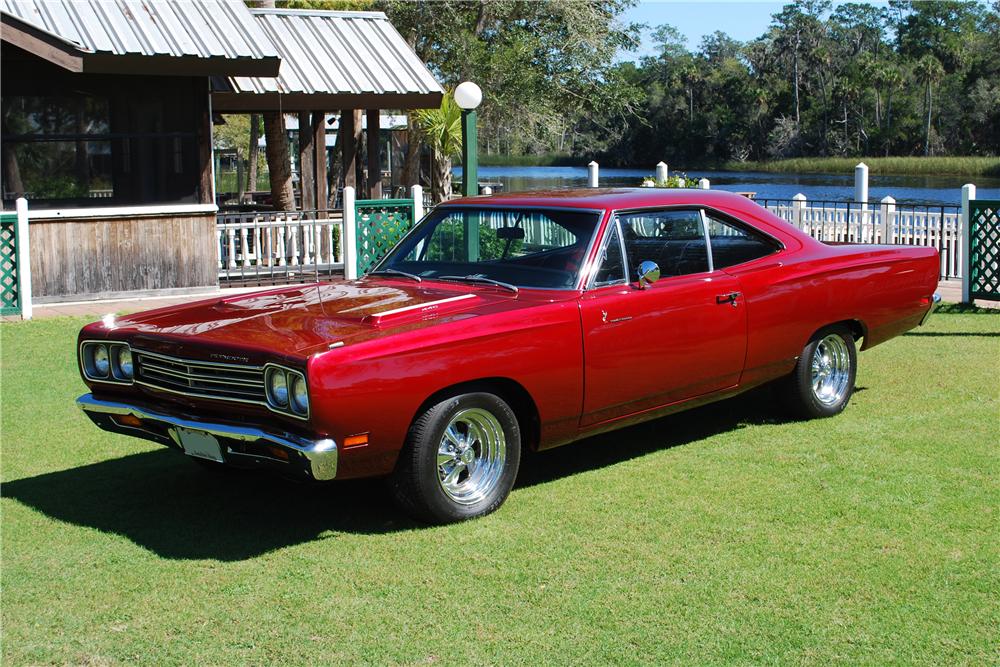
(468, 96)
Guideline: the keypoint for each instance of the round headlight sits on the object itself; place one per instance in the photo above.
(300, 395)
(279, 388)
(102, 363)
(125, 362)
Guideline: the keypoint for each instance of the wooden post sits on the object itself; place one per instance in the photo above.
(350, 120)
(206, 179)
(888, 219)
(968, 195)
(374, 156)
(350, 235)
(319, 157)
(23, 251)
(798, 209)
(662, 173)
(307, 181)
(417, 193)
(593, 174)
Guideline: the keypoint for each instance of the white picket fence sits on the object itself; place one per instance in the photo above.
(885, 222)
(267, 247)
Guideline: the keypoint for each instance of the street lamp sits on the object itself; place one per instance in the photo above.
(468, 96)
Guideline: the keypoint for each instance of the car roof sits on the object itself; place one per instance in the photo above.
(609, 198)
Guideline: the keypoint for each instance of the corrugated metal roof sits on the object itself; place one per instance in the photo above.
(338, 53)
(206, 29)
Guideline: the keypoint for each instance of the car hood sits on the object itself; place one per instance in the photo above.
(293, 320)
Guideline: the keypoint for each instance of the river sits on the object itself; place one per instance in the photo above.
(921, 189)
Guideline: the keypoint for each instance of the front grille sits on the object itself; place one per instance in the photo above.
(201, 378)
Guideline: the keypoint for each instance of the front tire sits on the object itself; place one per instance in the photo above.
(823, 380)
(460, 459)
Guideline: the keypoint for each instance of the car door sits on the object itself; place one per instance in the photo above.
(682, 336)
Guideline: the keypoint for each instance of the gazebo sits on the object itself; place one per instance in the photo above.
(353, 63)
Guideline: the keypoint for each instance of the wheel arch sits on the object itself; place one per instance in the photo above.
(511, 391)
(857, 328)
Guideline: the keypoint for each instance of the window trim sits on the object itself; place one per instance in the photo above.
(592, 283)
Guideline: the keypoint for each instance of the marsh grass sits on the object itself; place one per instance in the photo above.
(930, 166)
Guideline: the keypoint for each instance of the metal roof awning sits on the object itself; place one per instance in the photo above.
(177, 37)
(331, 60)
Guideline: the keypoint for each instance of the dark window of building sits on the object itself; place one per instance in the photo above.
(77, 140)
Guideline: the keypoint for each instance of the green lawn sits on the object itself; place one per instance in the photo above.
(721, 536)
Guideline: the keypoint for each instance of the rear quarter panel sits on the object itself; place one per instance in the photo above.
(884, 288)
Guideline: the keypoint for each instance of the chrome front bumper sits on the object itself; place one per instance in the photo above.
(242, 446)
(935, 300)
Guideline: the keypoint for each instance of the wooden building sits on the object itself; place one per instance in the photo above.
(107, 124)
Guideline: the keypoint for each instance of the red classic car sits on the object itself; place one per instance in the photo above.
(522, 321)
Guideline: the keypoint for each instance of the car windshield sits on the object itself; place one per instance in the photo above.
(543, 248)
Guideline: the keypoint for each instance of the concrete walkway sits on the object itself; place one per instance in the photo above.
(950, 291)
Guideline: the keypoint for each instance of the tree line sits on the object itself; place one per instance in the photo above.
(913, 78)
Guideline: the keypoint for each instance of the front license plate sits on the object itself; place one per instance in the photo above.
(200, 444)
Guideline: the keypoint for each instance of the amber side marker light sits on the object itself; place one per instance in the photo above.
(278, 453)
(129, 420)
(356, 440)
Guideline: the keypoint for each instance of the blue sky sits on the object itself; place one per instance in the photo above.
(740, 19)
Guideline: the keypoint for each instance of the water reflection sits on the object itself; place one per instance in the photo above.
(917, 189)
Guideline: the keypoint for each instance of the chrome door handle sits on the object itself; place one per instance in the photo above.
(727, 298)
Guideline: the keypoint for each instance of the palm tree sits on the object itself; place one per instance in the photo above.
(929, 71)
(441, 130)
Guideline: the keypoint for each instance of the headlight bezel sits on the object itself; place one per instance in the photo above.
(114, 374)
(291, 377)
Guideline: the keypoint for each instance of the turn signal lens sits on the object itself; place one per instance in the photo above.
(356, 440)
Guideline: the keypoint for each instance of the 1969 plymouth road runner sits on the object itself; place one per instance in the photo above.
(503, 324)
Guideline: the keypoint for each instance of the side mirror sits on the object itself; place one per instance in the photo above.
(649, 273)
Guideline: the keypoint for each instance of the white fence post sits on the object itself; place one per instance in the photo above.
(350, 235)
(860, 197)
(888, 219)
(798, 209)
(486, 190)
(662, 173)
(861, 183)
(593, 173)
(23, 259)
(704, 184)
(968, 195)
(417, 193)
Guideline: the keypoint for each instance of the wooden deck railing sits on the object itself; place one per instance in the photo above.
(266, 248)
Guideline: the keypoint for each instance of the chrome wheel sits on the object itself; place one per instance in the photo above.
(831, 370)
(471, 456)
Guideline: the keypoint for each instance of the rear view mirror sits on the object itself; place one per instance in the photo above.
(510, 233)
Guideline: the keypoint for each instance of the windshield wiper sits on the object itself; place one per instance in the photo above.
(396, 272)
(480, 279)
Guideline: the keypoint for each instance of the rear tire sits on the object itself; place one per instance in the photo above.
(823, 380)
(460, 459)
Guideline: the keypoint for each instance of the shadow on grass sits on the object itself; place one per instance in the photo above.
(166, 503)
(964, 309)
(950, 334)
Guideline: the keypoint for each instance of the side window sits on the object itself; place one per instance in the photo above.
(732, 245)
(612, 268)
(675, 240)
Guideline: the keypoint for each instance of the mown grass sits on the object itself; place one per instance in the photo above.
(724, 535)
(971, 166)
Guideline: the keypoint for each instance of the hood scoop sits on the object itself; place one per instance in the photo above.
(420, 311)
